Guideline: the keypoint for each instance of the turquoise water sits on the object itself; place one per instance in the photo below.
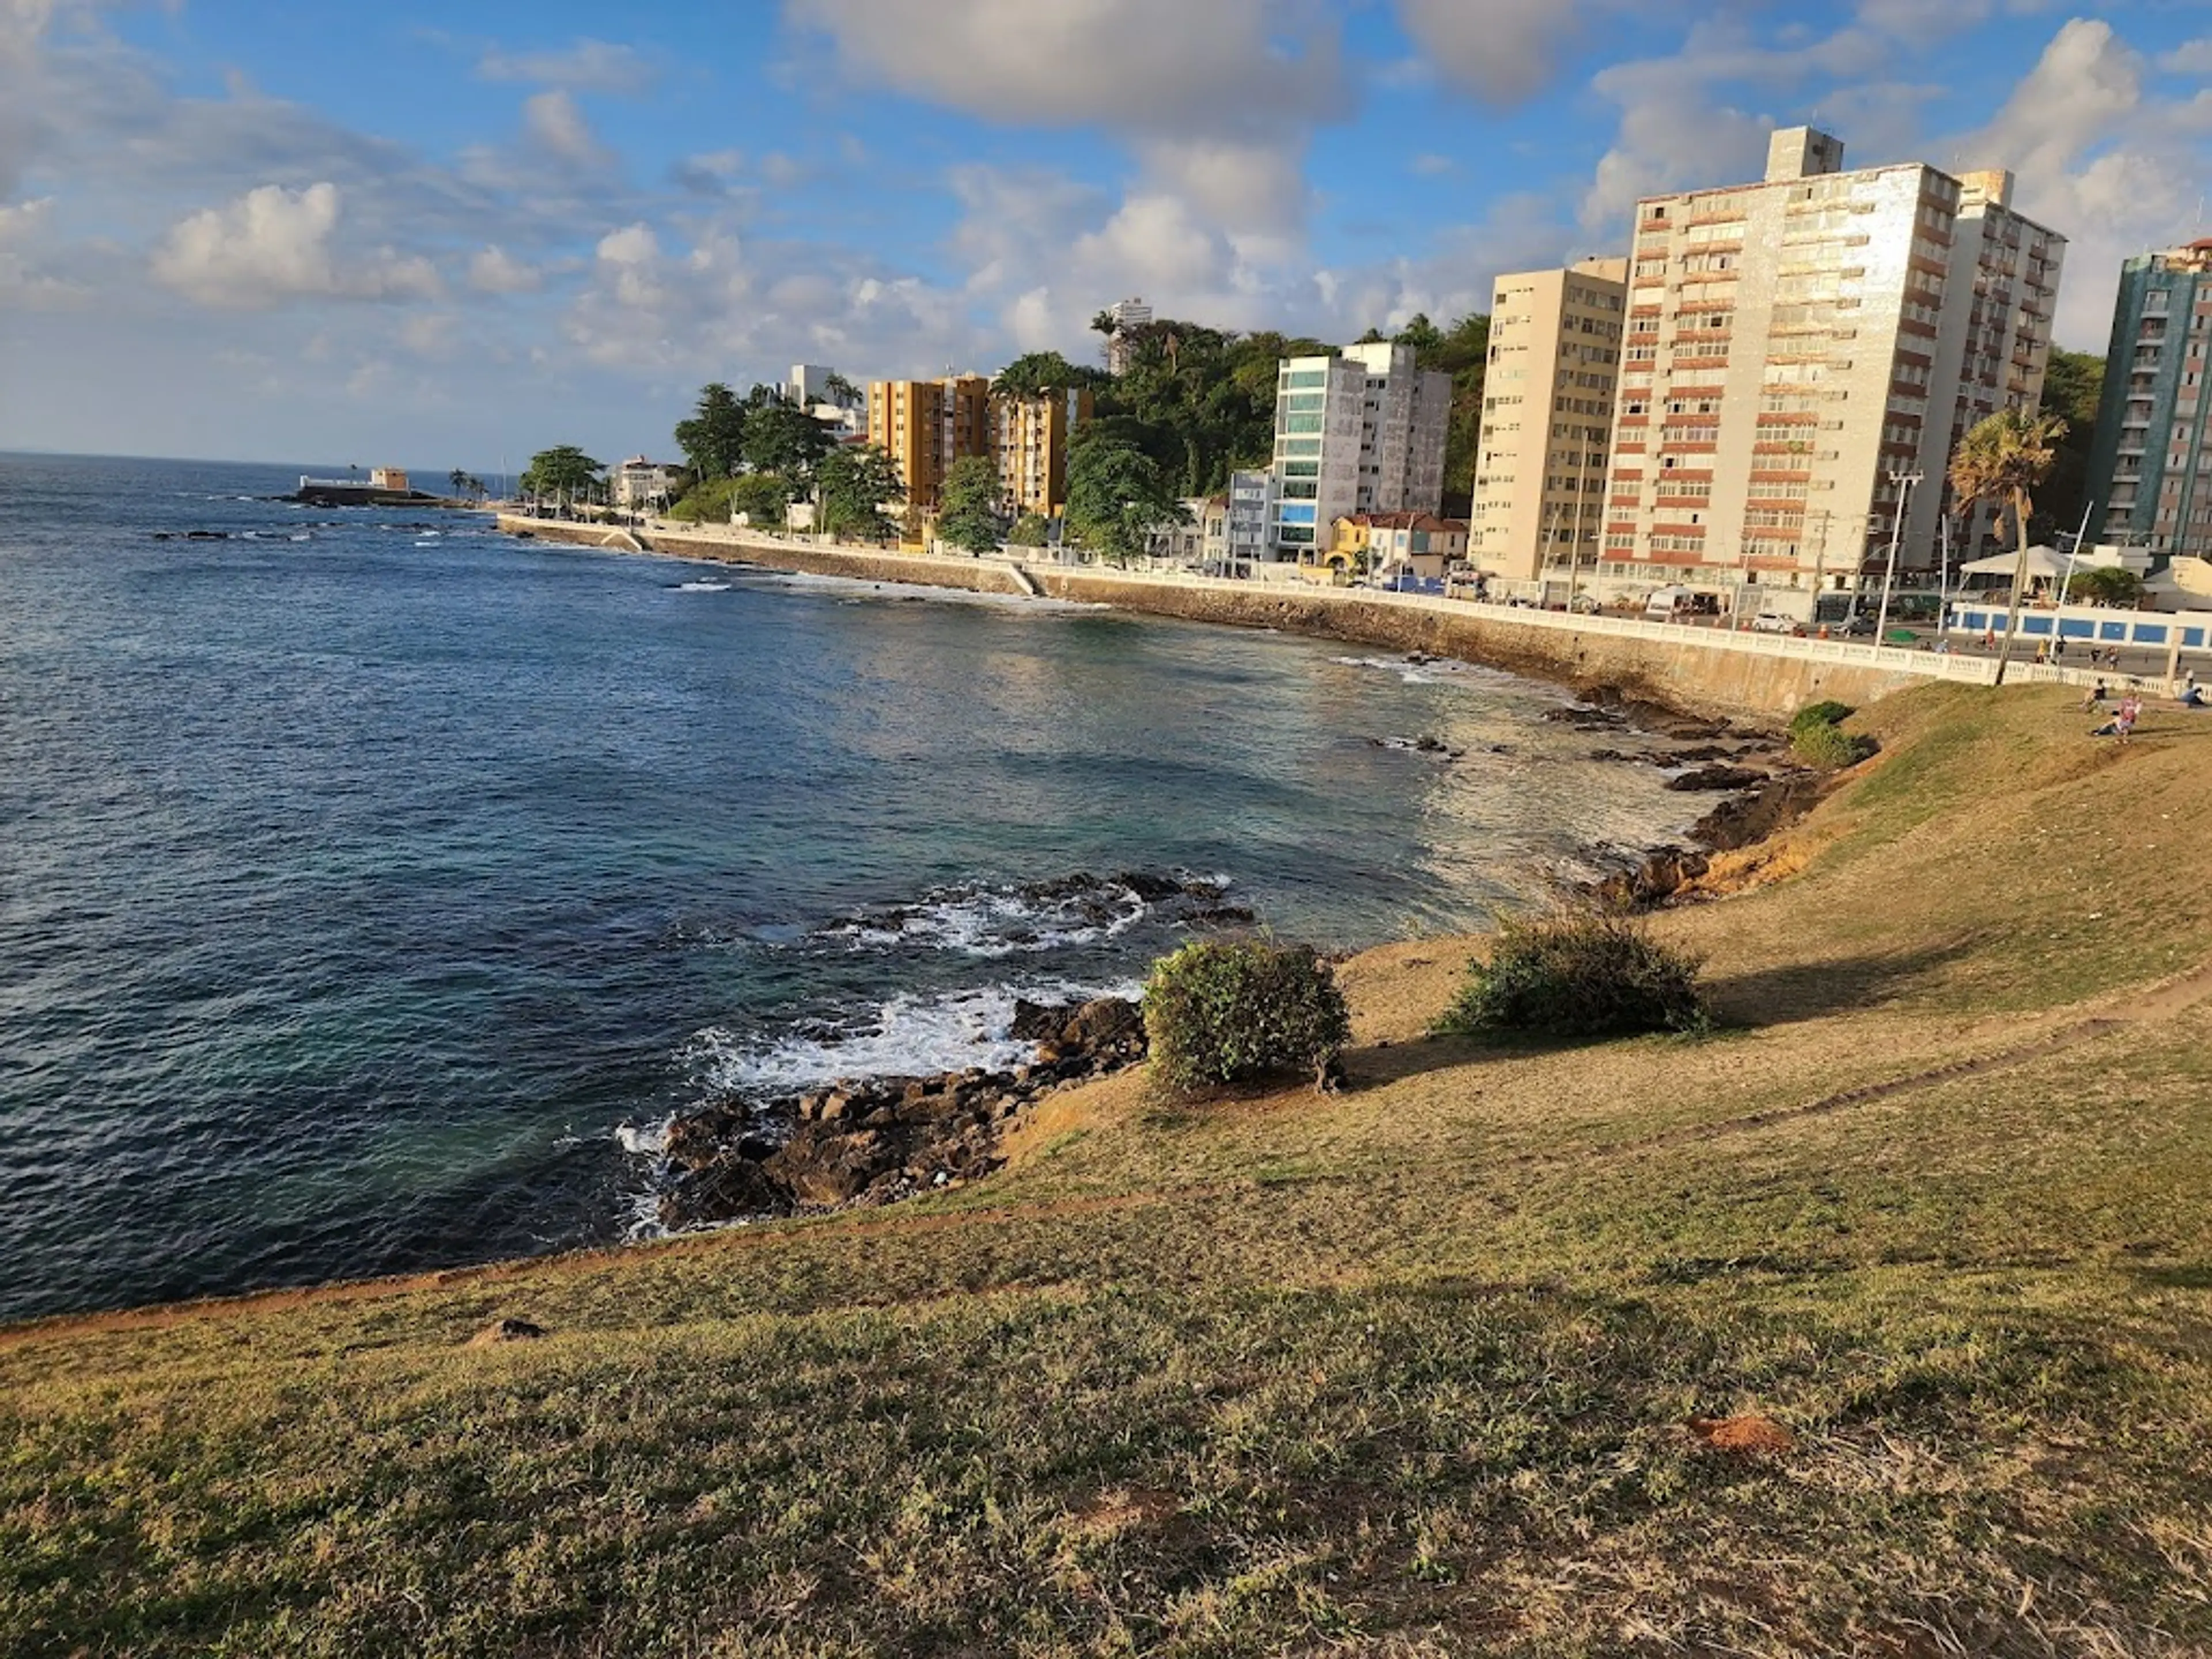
(367, 880)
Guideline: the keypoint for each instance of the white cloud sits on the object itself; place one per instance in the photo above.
(495, 270)
(1506, 50)
(1924, 22)
(2190, 58)
(586, 66)
(1135, 65)
(1217, 101)
(273, 245)
(711, 173)
(2111, 167)
(24, 284)
(552, 121)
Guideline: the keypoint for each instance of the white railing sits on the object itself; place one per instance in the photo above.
(1897, 659)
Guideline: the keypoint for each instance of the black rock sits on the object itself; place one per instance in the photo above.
(1716, 777)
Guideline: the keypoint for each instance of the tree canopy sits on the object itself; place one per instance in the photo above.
(783, 438)
(2105, 585)
(563, 470)
(763, 497)
(2004, 459)
(1039, 372)
(968, 505)
(2072, 387)
(713, 440)
(857, 482)
(1117, 496)
(1201, 402)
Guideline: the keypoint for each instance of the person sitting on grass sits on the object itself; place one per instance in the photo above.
(2094, 698)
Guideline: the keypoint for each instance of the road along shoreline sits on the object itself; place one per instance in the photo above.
(1752, 677)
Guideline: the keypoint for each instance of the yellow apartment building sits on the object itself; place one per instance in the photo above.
(924, 426)
(1030, 437)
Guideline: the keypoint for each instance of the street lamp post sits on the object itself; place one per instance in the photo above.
(1904, 483)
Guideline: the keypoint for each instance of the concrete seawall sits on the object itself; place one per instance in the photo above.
(1755, 676)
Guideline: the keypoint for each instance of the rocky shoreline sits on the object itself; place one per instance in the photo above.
(1766, 790)
(862, 1143)
(857, 1144)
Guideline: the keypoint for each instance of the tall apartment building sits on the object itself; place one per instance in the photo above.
(1541, 455)
(1792, 344)
(2150, 466)
(1128, 315)
(924, 426)
(1029, 440)
(1363, 432)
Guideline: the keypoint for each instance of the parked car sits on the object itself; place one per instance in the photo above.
(1853, 626)
(1773, 622)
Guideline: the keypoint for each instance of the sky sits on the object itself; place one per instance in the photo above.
(451, 235)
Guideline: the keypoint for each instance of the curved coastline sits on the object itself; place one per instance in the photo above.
(1758, 678)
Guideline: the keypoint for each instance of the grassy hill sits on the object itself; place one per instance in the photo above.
(1404, 1371)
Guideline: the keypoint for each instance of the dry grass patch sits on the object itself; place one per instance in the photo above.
(1403, 1371)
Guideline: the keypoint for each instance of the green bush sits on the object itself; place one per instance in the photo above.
(1218, 1013)
(1820, 714)
(1579, 975)
(706, 503)
(1829, 747)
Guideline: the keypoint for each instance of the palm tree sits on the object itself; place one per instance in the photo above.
(1107, 323)
(2003, 459)
(460, 480)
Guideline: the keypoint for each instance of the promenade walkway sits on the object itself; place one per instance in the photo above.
(1964, 662)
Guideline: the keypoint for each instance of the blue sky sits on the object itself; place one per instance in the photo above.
(447, 235)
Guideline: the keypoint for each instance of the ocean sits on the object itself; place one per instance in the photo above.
(370, 883)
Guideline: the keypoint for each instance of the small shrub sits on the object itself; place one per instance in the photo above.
(1830, 747)
(1820, 714)
(1579, 975)
(1218, 1013)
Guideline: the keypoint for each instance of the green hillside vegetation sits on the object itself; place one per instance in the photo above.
(1201, 402)
(1406, 1370)
(2072, 387)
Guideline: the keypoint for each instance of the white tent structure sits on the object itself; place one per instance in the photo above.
(2043, 563)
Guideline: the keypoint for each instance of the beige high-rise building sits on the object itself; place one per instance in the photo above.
(1030, 437)
(1547, 399)
(924, 426)
(1793, 343)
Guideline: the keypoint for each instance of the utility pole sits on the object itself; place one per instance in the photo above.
(1904, 483)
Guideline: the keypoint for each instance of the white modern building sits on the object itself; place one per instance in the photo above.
(1128, 316)
(1360, 431)
(638, 483)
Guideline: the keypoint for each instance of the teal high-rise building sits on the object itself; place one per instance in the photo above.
(2150, 468)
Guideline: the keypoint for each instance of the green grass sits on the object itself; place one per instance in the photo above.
(1402, 1371)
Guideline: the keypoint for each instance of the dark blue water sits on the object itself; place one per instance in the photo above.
(363, 873)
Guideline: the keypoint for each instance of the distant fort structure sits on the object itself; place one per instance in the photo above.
(387, 486)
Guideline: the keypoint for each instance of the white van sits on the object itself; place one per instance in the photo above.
(1667, 603)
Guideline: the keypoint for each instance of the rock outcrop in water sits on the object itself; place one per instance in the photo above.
(877, 1141)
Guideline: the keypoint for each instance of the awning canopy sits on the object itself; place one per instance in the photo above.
(2045, 562)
